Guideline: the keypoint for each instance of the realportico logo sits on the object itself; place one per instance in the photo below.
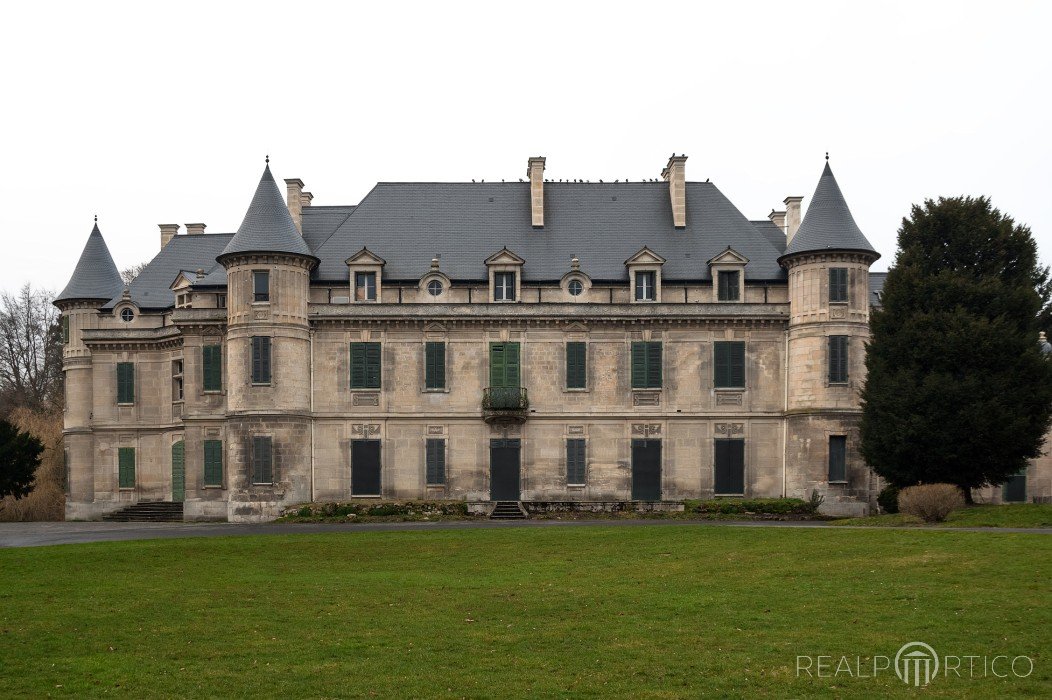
(916, 664)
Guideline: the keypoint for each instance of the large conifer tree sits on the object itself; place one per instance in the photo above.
(958, 389)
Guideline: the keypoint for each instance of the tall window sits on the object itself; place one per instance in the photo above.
(262, 460)
(261, 359)
(837, 458)
(126, 467)
(728, 365)
(434, 365)
(213, 462)
(837, 359)
(260, 285)
(365, 365)
(575, 461)
(365, 286)
(220, 301)
(177, 380)
(727, 285)
(125, 382)
(504, 286)
(646, 365)
(646, 287)
(436, 461)
(212, 364)
(576, 359)
(838, 284)
(65, 330)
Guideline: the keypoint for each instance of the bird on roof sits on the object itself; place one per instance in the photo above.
(472, 179)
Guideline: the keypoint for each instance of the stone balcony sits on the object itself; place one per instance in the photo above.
(505, 405)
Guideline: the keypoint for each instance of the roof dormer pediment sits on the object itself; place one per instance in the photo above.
(645, 256)
(504, 257)
(729, 257)
(365, 257)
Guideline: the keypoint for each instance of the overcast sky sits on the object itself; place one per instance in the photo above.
(147, 116)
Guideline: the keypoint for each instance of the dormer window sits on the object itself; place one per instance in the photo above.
(504, 286)
(435, 287)
(727, 287)
(575, 288)
(576, 283)
(644, 276)
(646, 286)
(505, 276)
(365, 286)
(260, 285)
(728, 276)
(364, 268)
(127, 315)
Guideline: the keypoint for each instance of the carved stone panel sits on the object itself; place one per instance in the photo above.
(368, 399)
(729, 399)
(365, 429)
(575, 430)
(646, 398)
(730, 428)
(838, 311)
(646, 429)
(436, 429)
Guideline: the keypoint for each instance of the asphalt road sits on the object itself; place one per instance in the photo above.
(49, 533)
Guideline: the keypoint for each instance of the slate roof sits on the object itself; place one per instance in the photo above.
(268, 226)
(96, 275)
(603, 224)
(876, 286)
(828, 224)
(150, 290)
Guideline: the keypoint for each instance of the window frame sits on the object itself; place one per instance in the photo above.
(262, 460)
(840, 451)
(212, 369)
(441, 287)
(259, 297)
(212, 463)
(838, 360)
(126, 384)
(177, 379)
(261, 361)
(639, 280)
(126, 476)
(576, 461)
(435, 365)
(435, 462)
(576, 360)
(728, 349)
(645, 350)
(369, 278)
(510, 282)
(371, 378)
(842, 287)
(728, 282)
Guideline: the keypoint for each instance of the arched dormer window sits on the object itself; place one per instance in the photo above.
(434, 286)
(575, 283)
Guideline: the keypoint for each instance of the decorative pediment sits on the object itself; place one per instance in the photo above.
(184, 279)
(645, 257)
(504, 257)
(729, 257)
(575, 327)
(365, 257)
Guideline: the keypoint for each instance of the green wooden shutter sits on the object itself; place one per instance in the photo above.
(838, 284)
(639, 365)
(838, 359)
(435, 365)
(125, 382)
(496, 365)
(575, 461)
(262, 460)
(436, 461)
(212, 361)
(213, 462)
(372, 365)
(260, 359)
(512, 374)
(837, 458)
(654, 365)
(357, 365)
(126, 467)
(576, 365)
(65, 330)
(728, 366)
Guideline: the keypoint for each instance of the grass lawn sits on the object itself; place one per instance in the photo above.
(1013, 515)
(662, 611)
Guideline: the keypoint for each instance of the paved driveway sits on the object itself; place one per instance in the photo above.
(39, 534)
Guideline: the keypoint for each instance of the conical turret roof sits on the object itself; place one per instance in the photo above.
(96, 275)
(268, 226)
(828, 224)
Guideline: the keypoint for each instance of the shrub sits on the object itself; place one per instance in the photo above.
(768, 506)
(930, 502)
(888, 499)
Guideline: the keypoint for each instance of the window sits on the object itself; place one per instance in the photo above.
(727, 285)
(125, 382)
(182, 301)
(177, 380)
(434, 365)
(261, 359)
(837, 458)
(435, 287)
(575, 461)
(220, 301)
(575, 288)
(212, 363)
(646, 365)
(260, 285)
(365, 365)
(365, 286)
(728, 367)
(262, 460)
(213, 462)
(576, 368)
(838, 359)
(126, 467)
(65, 330)
(645, 286)
(127, 315)
(505, 370)
(838, 284)
(504, 286)
(436, 461)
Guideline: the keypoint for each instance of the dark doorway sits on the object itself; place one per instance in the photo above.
(365, 467)
(504, 470)
(730, 468)
(646, 470)
(1015, 488)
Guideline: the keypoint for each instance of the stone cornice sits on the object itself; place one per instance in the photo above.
(121, 338)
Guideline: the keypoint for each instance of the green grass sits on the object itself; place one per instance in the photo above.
(663, 611)
(1014, 515)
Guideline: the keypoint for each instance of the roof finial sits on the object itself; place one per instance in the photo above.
(827, 155)
(268, 159)
(96, 218)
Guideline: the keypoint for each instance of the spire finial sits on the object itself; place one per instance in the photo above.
(827, 156)
(268, 158)
(96, 218)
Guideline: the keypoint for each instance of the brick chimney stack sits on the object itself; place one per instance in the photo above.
(675, 174)
(535, 170)
(295, 201)
(168, 232)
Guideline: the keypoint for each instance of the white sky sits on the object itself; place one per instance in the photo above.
(150, 116)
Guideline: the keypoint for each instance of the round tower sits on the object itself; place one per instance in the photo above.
(827, 260)
(268, 267)
(94, 282)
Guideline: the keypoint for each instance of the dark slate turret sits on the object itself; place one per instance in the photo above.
(268, 226)
(828, 224)
(96, 275)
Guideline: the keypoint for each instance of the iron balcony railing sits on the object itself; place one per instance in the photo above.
(498, 398)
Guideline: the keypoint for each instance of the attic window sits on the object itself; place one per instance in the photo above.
(575, 287)
(127, 315)
(182, 301)
(434, 287)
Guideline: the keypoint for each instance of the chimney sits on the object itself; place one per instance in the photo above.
(535, 170)
(295, 201)
(305, 199)
(168, 232)
(792, 217)
(675, 174)
(778, 219)
(195, 229)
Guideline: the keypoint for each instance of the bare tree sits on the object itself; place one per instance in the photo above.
(30, 350)
(130, 273)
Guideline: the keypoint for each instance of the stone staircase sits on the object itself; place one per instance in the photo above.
(147, 511)
(508, 510)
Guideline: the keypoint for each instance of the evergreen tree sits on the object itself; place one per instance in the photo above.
(19, 459)
(958, 390)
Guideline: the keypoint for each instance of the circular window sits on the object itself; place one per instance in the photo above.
(127, 315)
(434, 288)
(575, 288)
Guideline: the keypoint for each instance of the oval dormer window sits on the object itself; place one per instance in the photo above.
(434, 287)
(575, 288)
(127, 315)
